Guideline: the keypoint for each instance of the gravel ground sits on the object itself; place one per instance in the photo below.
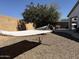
(52, 47)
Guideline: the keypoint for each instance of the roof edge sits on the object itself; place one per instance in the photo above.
(73, 8)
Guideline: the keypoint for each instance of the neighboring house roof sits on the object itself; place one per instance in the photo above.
(62, 24)
(73, 8)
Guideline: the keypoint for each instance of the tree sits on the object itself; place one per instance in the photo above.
(40, 15)
(21, 25)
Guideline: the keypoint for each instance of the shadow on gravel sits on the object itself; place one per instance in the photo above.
(10, 52)
(63, 34)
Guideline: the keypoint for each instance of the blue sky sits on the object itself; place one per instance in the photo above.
(14, 8)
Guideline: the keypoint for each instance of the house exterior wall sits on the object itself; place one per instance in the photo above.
(75, 12)
(78, 23)
(74, 18)
(73, 23)
(69, 24)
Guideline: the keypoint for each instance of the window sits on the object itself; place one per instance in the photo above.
(75, 26)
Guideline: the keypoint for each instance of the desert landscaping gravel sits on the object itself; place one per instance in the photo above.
(52, 47)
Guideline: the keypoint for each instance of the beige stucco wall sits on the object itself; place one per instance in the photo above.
(29, 26)
(8, 23)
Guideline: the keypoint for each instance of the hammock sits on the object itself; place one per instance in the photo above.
(24, 33)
